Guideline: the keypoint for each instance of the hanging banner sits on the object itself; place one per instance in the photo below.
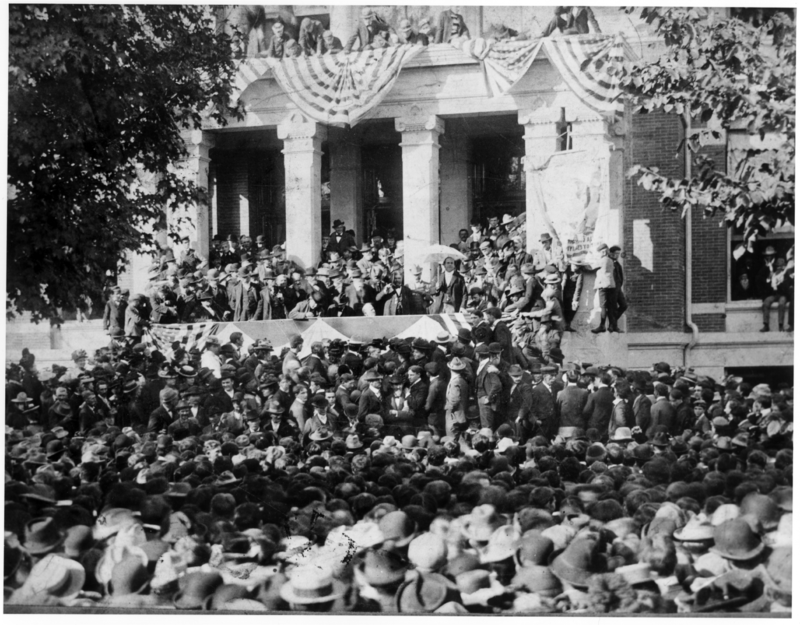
(571, 198)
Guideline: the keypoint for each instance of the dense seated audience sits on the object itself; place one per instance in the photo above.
(464, 475)
(373, 32)
(490, 276)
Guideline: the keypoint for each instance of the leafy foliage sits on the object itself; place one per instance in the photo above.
(731, 75)
(98, 98)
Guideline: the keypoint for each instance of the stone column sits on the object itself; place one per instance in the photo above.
(456, 202)
(346, 196)
(541, 141)
(196, 224)
(302, 160)
(420, 185)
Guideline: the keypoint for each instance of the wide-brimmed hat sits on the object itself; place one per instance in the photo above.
(353, 443)
(382, 568)
(322, 434)
(481, 523)
(730, 590)
(128, 577)
(579, 561)
(398, 527)
(195, 588)
(537, 579)
(478, 586)
(695, 530)
(456, 364)
(55, 576)
(427, 592)
(503, 544)
(762, 509)
(622, 435)
(428, 552)
(42, 536)
(736, 540)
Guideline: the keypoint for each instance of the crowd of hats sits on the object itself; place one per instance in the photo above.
(361, 520)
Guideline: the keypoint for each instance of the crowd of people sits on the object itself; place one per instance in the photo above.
(528, 299)
(462, 475)
(769, 279)
(373, 32)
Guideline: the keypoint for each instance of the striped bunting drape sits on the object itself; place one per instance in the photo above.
(162, 337)
(585, 62)
(337, 89)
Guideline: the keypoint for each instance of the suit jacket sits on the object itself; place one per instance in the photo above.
(417, 396)
(345, 242)
(641, 412)
(544, 408)
(452, 295)
(598, 409)
(488, 384)
(444, 30)
(369, 404)
(605, 274)
(621, 417)
(662, 413)
(520, 404)
(159, 420)
(570, 404)
(501, 334)
(394, 305)
(245, 302)
(434, 403)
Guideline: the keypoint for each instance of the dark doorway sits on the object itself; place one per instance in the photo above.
(383, 189)
(498, 176)
(764, 375)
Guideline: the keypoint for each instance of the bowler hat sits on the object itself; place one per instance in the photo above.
(736, 540)
(382, 568)
(42, 536)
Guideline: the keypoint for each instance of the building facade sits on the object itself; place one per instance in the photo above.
(441, 149)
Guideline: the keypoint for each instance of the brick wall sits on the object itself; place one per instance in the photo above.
(654, 237)
(710, 248)
(710, 323)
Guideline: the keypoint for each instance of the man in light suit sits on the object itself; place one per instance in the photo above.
(605, 286)
(456, 398)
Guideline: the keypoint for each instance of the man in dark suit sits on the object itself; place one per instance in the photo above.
(641, 406)
(488, 387)
(520, 404)
(366, 31)
(598, 409)
(371, 400)
(571, 402)
(662, 411)
(450, 25)
(245, 297)
(544, 402)
(500, 332)
(451, 290)
(417, 395)
(622, 412)
(340, 240)
(434, 402)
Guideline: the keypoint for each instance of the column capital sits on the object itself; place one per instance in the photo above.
(198, 143)
(297, 126)
(419, 122)
(541, 116)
